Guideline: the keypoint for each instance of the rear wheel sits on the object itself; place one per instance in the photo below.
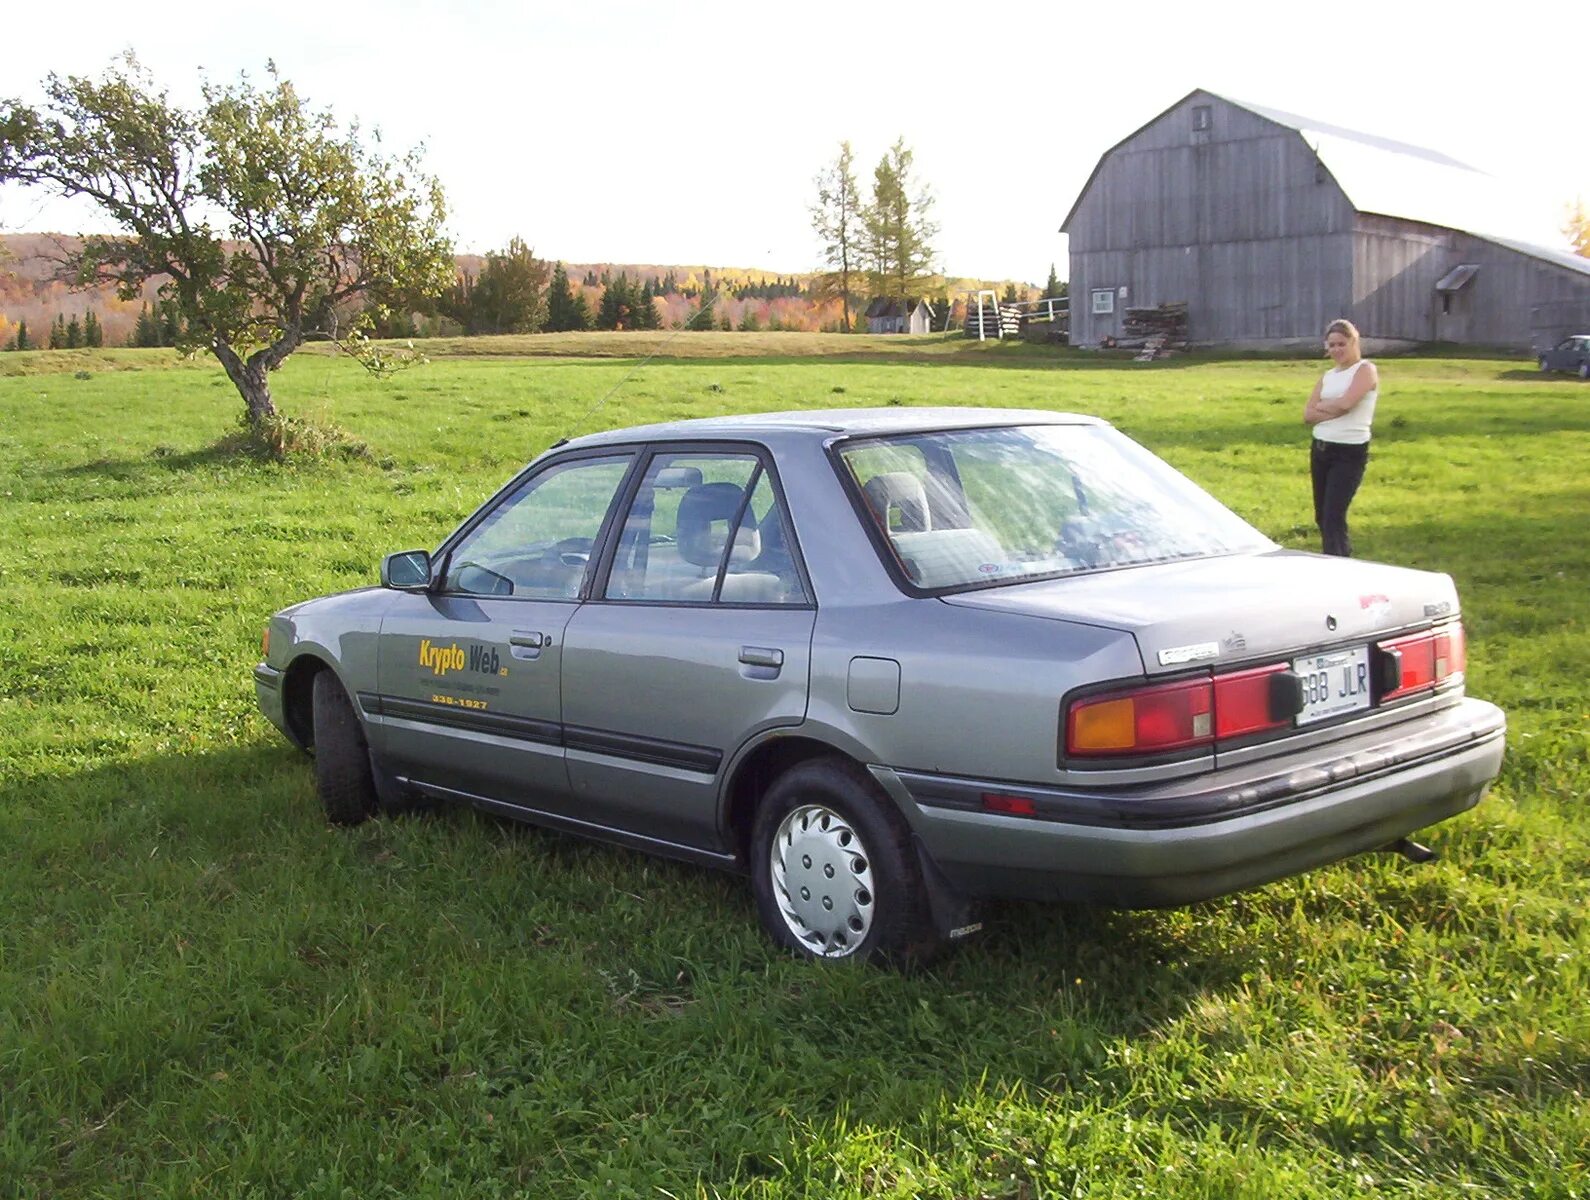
(833, 869)
(1543, 362)
(342, 756)
(1584, 370)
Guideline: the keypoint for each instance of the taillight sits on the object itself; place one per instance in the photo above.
(1148, 720)
(1427, 658)
(1244, 702)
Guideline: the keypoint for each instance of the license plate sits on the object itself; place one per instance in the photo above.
(1333, 683)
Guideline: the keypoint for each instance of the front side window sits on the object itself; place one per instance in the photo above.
(676, 544)
(537, 542)
(974, 507)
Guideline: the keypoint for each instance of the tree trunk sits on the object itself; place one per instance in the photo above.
(252, 378)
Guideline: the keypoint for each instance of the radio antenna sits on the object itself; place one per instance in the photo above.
(708, 298)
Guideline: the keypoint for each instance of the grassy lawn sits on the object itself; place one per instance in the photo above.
(204, 991)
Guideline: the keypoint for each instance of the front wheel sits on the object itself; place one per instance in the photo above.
(342, 757)
(833, 868)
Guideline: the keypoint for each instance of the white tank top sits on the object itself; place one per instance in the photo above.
(1352, 427)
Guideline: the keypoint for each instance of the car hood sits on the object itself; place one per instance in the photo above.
(1235, 608)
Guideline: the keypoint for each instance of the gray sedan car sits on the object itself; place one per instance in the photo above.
(888, 663)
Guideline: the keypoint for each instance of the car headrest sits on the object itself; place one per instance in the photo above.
(901, 492)
(703, 526)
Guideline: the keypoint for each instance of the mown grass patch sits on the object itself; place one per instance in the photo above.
(204, 991)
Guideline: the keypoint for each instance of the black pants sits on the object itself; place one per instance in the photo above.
(1337, 470)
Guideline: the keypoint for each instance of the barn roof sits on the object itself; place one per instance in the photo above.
(1411, 183)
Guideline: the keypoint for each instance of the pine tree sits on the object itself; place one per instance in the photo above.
(58, 333)
(615, 309)
(93, 331)
(170, 323)
(74, 333)
(1010, 294)
(561, 315)
(1054, 289)
(646, 309)
(21, 342)
(146, 332)
(896, 232)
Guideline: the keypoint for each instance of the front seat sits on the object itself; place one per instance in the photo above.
(702, 530)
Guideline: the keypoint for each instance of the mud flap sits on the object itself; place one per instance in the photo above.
(954, 916)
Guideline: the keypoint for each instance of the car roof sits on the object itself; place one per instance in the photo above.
(830, 422)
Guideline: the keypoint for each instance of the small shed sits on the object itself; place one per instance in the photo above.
(899, 316)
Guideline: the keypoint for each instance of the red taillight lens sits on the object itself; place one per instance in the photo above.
(1428, 658)
(1145, 721)
(1018, 806)
(1242, 702)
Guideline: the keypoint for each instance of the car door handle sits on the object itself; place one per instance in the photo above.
(527, 637)
(761, 656)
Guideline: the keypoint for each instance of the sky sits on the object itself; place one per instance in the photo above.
(688, 133)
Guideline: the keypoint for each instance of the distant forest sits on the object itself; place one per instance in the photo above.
(507, 292)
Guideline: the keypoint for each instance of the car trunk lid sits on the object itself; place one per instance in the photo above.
(1234, 608)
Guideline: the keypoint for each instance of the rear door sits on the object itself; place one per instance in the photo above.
(697, 637)
(469, 672)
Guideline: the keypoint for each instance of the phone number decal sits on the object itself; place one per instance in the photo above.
(458, 701)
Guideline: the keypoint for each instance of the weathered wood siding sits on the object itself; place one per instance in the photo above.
(1239, 220)
(1396, 265)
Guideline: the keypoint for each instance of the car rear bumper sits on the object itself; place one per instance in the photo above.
(1148, 847)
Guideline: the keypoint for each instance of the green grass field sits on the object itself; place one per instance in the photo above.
(205, 991)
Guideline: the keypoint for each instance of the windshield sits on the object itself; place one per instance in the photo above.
(982, 506)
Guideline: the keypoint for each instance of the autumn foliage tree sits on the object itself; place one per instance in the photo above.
(837, 219)
(1577, 228)
(897, 233)
(268, 223)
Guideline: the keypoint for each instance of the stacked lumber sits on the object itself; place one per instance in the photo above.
(1155, 330)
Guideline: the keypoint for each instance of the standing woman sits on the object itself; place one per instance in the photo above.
(1341, 409)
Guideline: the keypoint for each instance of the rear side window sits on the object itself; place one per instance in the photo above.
(705, 529)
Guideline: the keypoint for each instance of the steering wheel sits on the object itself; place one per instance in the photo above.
(571, 552)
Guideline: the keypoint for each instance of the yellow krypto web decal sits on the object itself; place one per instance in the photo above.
(452, 657)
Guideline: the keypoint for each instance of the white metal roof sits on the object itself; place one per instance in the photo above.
(1394, 179)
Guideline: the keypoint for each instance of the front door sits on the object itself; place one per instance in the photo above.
(699, 638)
(469, 672)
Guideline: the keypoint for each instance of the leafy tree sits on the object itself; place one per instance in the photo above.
(837, 219)
(509, 295)
(269, 222)
(21, 342)
(74, 333)
(749, 322)
(93, 331)
(897, 233)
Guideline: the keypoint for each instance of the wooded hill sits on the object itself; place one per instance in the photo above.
(741, 298)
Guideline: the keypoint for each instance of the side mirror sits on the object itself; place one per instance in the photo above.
(406, 569)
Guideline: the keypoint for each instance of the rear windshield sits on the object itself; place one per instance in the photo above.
(987, 506)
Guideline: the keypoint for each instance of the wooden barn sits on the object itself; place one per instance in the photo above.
(899, 316)
(1268, 226)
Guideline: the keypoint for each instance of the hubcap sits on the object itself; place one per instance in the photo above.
(822, 880)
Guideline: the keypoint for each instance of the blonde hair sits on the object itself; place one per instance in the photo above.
(1347, 329)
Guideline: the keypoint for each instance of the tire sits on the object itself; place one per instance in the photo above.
(1543, 362)
(342, 756)
(834, 871)
(1584, 370)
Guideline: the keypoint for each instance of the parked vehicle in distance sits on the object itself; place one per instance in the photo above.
(888, 663)
(1571, 354)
